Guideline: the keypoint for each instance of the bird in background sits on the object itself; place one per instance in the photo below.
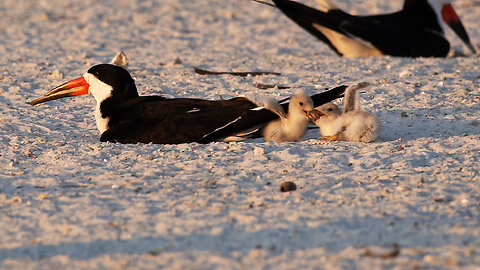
(125, 117)
(415, 31)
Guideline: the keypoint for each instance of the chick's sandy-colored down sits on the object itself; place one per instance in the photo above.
(293, 127)
(352, 125)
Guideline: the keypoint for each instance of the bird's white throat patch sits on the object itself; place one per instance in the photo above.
(100, 91)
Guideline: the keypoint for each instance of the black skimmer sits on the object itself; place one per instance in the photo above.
(352, 125)
(290, 127)
(125, 117)
(414, 31)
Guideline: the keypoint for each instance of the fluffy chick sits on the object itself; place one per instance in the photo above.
(290, 127)
(353, 125)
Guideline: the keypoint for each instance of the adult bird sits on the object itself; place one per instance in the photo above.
(125, 117)
(415, 31)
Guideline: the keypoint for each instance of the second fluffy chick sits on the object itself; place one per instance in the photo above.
(353, 125)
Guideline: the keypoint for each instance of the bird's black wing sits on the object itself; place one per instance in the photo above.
(171, 121)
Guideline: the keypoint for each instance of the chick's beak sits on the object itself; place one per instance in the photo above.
(315, 114)
(451, 18)
(72, 88)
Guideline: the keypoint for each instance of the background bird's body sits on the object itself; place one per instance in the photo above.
(414, 31)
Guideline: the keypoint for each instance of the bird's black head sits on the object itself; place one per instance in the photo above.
(111, 86)
(123, 85)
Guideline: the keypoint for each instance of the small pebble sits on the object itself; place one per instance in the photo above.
(405, 73)
(257, 151)
(288, 186)
(177, 61)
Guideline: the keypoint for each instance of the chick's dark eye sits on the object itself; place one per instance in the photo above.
(301, 103)
(330, 109)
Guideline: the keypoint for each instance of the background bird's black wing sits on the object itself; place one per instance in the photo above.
(306, 17)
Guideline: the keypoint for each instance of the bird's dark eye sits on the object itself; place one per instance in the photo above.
(330, 109)
(301, 103)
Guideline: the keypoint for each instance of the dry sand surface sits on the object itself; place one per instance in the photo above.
(67, 201)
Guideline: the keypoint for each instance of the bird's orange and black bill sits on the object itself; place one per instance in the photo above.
(72, 88)
(451, 18)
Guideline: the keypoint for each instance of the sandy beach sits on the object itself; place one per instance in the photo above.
(410, 200)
